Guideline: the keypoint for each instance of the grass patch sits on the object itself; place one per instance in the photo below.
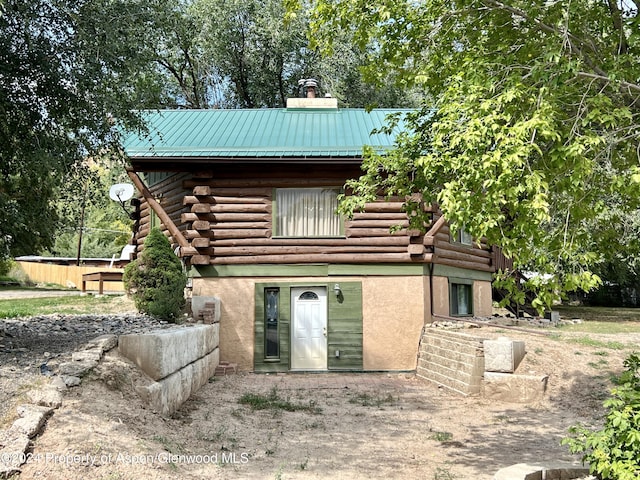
(367, 400)
(273, 401)
(592, 342)
(601, 314)
(29, 307)
(441, 436)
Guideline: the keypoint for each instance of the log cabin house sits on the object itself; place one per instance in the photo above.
(248, 197)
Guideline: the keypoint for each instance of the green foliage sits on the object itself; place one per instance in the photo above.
(530, 138)
(106, 228)
(68, 80)
(155, 280)
(5, 267)
(614, 451)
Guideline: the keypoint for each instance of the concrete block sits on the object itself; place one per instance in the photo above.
(168, 394)
(553, 316)
(507, 387)
(160, 354)
(503, 355)
(199, 303)
(553, 471)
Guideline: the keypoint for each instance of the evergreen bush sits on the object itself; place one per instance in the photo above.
(614, 451)
(155, 280)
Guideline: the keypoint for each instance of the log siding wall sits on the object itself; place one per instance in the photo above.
(228, 221)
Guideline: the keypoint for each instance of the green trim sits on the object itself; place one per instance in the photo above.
(381, 269)
(314, 270)
(325, 270)
(344, 326)
(447, 271)
(461, 281)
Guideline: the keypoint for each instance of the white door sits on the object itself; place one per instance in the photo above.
(309, 328)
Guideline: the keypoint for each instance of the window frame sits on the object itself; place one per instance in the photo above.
(277, 234)
(462, 237)
(276, 291)
(454, 284)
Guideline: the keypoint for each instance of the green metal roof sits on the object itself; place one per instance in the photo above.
(258, 133)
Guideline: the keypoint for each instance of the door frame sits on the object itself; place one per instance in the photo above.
(322, 292)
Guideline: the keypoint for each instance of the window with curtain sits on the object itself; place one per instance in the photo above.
(307, 212)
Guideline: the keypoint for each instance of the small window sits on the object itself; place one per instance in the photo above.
(271, 321)
(307, 212)
(309, 296)
(463, 237)
(461, 297)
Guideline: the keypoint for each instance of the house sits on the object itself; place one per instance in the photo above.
(248, 198)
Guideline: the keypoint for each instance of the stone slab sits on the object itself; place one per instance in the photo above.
(512, 388)
(552, 471)
(162, 353)
(168, 394)
(49, 396)
(503, 355)
(32, 419)
(76, 368)
(14, 445)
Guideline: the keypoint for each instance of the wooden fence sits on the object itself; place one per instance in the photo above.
(68, 275)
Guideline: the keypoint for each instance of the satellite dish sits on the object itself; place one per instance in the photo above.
(121, 192)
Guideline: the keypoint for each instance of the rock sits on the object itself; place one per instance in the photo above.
(14, 445)
(46, 397)
(33, 418)
(88, 356)
(58, 384)
(76, 369)
(104, 342)
(71, 381)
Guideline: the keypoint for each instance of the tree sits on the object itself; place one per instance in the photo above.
(532, 132)
(71, 74)
(155, 280)
(106, 227)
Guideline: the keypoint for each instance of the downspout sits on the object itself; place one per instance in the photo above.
(157, 208)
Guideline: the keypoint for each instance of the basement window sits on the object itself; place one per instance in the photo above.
(461, 297)
(271, 324)
(307, 212)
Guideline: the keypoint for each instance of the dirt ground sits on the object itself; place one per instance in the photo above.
(344, 426)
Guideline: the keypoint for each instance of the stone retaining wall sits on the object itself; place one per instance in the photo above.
(178, 362)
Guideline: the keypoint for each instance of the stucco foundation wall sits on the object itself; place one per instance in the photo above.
(482, 301)
(441, 296)
(236, 316)
(393, 316)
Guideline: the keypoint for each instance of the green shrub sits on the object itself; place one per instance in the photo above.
(614, 451)
(155, 280)
(5, 266)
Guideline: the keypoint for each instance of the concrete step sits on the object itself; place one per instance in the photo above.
(453, 360)
(447, 382)
(460, 344)
(451, 353)
(464, 373)
(452, 335)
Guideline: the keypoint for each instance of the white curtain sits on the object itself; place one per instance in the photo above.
(464, 300)
(307, 212)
